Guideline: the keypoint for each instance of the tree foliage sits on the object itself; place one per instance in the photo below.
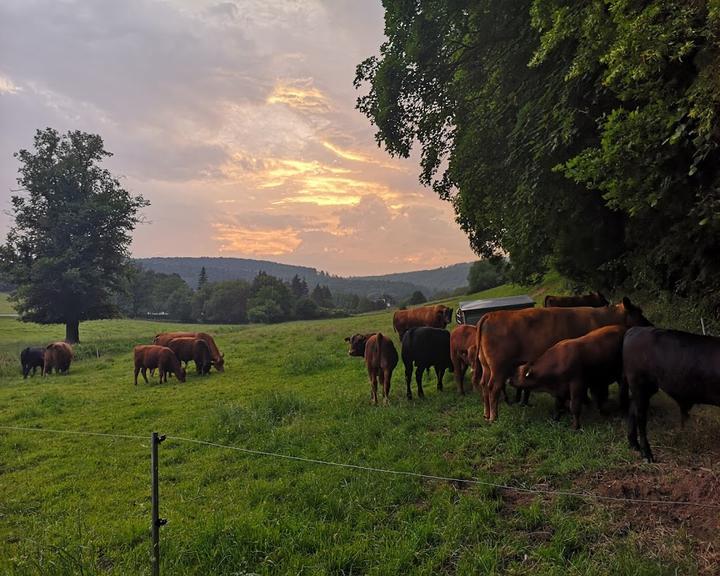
(67, 251)
(579, 135)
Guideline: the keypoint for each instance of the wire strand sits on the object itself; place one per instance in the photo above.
(585, 495)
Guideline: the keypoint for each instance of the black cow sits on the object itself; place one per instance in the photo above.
(425, 347)
(685, 366)
(32, 358)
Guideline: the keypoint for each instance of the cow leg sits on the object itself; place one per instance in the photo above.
(439, 375)
(559, 407)
(137, 371)
(373, 387)
(408, 377)
(642, 411)
(578, 393)
(144, 374)
(460, 377)
(387, 377)
(496, 385)
(418, 380)
(624, 394)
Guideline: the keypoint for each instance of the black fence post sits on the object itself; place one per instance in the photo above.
(156, 520)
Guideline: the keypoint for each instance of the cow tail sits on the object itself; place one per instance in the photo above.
(477, 362)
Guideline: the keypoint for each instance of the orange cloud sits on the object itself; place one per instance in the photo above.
(7, 86)
(347, 154)
(299, 94)
(242, 240)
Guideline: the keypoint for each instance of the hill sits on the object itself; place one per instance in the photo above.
(399, 285)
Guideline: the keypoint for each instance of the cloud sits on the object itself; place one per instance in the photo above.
(7, 86)
(256, 242)
(299, 94)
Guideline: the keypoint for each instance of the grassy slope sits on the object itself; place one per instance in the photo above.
(5, 306)
(69, 503)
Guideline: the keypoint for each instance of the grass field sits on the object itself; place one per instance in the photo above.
(5, 306)
(73, 504)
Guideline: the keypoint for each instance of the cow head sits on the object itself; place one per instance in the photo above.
(444, 315)
(357, 344)
(525, 375)
(634, 314)
(219, 363)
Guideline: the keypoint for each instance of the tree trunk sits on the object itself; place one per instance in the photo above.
(72, 331)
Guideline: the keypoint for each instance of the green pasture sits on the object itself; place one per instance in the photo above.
(5, 306)
(81, 505)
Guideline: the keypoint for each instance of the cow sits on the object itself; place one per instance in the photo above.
(58, 356)
(194, 349)
(437, 316)
(150, 356)
(571, 367)
(218, 359)
(425, 347)
(594, 299)
(508, 338)
(32, 358)
(685, 366)
(380, 358)
(462, 350)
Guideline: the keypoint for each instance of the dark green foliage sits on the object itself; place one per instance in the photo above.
(202, 278)
(582, 136)
(227, 302)
(417, 298)
(486, 274)
(67, 251)
(322, 296)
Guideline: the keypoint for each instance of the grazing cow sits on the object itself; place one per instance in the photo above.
(58, 356)
(194, 349)
(425, 347)
(32, 358)
(160, 357)
(380, 358)
(509, 338)
(435, 316)
(218, 359)
(462, 346)
(685, 366)
(570, 367)
(594, 299)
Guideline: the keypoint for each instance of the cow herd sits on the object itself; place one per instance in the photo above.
(572, 346)
(170, 350)
(55, 356)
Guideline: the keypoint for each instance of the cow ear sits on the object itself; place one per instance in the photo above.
(626, 302)
(347, 338)
(528, 372)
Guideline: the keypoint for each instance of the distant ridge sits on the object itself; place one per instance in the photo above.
(399, 285)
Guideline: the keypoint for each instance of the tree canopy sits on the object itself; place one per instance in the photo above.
(67, 251)
(578, 135)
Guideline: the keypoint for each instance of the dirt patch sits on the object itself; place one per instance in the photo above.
(699, 519)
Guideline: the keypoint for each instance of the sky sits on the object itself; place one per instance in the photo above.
(235, 119)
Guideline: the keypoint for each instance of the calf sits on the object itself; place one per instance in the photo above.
(570, 367)
(32, 358)
(194, 349)
(462, 349)
(425, 347)
(380, 358)
(685, 366)
(594, 299)
(58, 356)
(160, 357)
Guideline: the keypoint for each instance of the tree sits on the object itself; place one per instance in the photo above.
(322, 296)
(179, 304)
(575, 135)
(67, 251)
(202, 278)
(228, 302)
(417, 297)
(298, 287)
(485, 274)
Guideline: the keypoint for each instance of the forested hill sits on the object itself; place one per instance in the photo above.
(398, 285)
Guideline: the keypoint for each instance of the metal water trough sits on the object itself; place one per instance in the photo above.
(470, 312)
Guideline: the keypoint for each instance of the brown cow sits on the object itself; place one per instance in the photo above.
(508, 338)
(462, 347)
(58, 355)
(381, 357)
(218, 359)
(570, 367)
(195, 349)
(437, 316)
(594, 299)
(160, 357)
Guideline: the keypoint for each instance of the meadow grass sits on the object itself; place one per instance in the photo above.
(71, 504)
(5, 305)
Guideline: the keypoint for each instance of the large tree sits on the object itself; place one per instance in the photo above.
(67, 251)
(579, 135)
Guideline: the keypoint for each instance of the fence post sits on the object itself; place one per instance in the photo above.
(156, 520)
